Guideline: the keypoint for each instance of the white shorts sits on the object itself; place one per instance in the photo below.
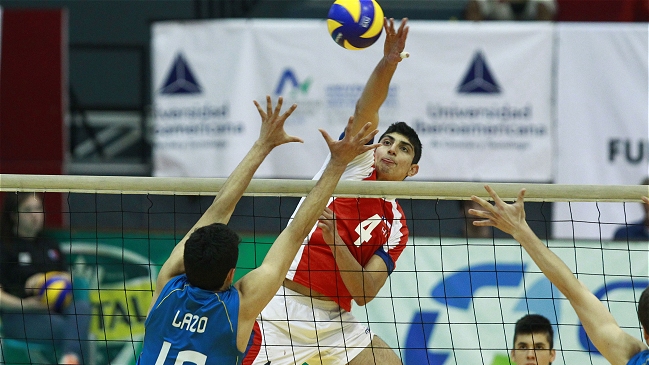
(319, 332)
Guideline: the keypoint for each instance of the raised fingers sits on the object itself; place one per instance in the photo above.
(269, 105)
(289, 111)
(362, 133)
(262, 114)
(521, 196)
(278, 107)
(402, 26)
(388, 25)
(483, 203)
(494, 195)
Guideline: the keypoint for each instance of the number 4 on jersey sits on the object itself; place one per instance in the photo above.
(365, 228)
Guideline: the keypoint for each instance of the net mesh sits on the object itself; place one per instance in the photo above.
(452, 299)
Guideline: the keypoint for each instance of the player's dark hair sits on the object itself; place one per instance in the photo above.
(534, 323)
(210, 253)
(407, 131)
(643, 309)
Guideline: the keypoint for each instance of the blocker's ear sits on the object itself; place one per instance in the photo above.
(414, 169)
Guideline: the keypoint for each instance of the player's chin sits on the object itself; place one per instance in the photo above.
(390, 175)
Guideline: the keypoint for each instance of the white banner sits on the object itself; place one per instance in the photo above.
(456, 305)
(480, 98)
(478, 94)
(602, 133)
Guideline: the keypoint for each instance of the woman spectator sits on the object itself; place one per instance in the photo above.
(25, 256)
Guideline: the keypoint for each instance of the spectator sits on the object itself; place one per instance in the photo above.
(25, 255)
(511, 10)
(636, 231)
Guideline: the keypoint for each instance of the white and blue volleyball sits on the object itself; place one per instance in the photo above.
(355, 24)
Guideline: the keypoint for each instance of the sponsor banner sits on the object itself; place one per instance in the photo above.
(118, 284)
(459, 305)
(469, 90)
(480, 99)
(602, 131)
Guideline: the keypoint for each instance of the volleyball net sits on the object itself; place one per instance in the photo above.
(452, 299)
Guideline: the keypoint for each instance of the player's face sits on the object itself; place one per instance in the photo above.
(393, 159)
(532, 349)
(30, 217)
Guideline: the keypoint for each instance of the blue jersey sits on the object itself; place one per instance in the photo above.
(188, 325)
(641, 358)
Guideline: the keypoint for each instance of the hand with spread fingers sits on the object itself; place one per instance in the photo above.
(395, 39)
(272, 132)
(509, 218)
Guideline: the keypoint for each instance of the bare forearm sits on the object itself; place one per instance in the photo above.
(8, 301)
(238, 181)
(374, 94)
(550, 264)
(358, 281)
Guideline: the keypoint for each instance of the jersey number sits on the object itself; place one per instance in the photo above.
(190, 356)
(365, 229)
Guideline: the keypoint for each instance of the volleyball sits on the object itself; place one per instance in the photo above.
(56, 292)
(355, 24)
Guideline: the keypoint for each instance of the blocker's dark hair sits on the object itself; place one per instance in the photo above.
(210, 253)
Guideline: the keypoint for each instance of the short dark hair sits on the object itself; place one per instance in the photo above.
(534, 323)
(210, 253)
(643, 309)
(407, 131)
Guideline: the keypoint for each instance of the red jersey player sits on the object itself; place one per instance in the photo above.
(349, 257)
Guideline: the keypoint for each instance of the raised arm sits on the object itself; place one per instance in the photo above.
(271, 135)
(376, 88)
(259, 286)
(612, 342)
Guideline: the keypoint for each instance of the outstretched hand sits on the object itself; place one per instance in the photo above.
(645, 199)
(272, 133)
(395, 40)
(345, 150)
(509, 218)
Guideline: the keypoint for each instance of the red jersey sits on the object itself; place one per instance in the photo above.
(368, 226)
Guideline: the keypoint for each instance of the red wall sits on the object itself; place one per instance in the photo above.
(33, 96)
(603, 10)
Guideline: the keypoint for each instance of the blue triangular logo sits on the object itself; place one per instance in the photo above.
(181, 79)
(478, 79)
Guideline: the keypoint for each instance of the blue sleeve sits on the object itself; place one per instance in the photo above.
(641, 358)
(386, 258)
